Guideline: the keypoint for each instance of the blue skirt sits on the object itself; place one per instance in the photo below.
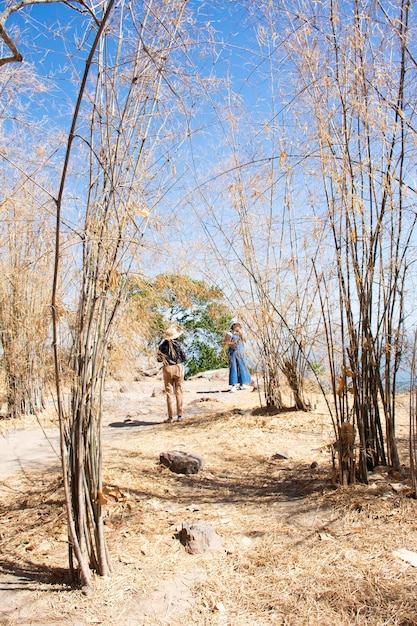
(238, 370)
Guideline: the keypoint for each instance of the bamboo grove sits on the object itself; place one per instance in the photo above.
(281, 168)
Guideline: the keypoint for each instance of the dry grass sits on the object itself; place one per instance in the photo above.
(298, 550)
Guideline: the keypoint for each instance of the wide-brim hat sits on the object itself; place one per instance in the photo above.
(171, 333)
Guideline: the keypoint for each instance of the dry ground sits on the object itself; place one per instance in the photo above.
(298, 550)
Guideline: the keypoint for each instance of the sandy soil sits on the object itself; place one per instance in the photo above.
(297, 549)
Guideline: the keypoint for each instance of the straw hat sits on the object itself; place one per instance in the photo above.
(171, 333)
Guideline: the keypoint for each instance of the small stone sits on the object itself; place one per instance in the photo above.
(281, 455)
(181, 462)
(198, 537)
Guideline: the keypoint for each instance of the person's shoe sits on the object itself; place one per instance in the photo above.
(245, 387)
(180, 418)
(168, 421)
(233, 389)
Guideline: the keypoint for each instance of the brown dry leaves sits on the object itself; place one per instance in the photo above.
(298, 550)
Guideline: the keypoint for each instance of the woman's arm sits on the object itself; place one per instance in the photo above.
(228, 340)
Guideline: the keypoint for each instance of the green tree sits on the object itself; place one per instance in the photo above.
(198, 308)
(204, 338)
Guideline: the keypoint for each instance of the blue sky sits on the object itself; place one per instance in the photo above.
(53, 40)
(57, 54)
(261, 115)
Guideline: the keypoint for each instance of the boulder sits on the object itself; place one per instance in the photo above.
(198, 537)
(181, 462)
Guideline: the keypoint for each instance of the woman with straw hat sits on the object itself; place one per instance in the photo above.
(171, 353)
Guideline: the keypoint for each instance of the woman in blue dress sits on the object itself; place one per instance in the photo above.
(238, 370)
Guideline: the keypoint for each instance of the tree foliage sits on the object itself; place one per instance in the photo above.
(197, 308)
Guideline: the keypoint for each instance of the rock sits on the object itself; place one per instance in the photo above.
(181, 462)
(401, 488)
(376, 477)
(150, 373)
(205, 375)
(198, 537)
(281, 455)
(220, 374)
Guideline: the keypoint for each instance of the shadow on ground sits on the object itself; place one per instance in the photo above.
(26, 576)
(129, 423)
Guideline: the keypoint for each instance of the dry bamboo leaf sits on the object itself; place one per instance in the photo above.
(101, 499)
(115, 494)
(341, 386)
(347, 433)
(144, 212)
(113, 279)
(157, 226)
